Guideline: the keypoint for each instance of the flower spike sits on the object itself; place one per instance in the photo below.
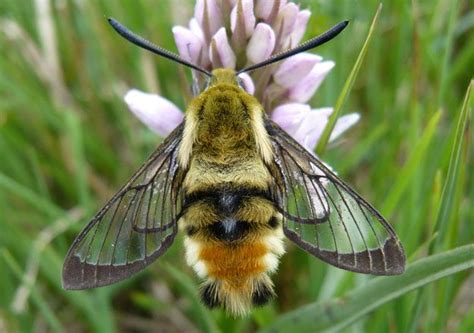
(218, 35)
(143, 43)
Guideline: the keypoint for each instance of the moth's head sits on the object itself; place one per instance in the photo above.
(224, 76)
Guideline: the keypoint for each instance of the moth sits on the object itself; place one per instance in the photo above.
(235, 184)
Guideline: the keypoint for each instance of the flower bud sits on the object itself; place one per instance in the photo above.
(156, 112)
(285, 21)
(265, 8)
(288, 116)
(189, 45)
(247, 21)
(247, 83)
(209, 16)
(299, 27)
(343, 124)
(295, 69)
(221, 53)
(261, 44)
(305, 89)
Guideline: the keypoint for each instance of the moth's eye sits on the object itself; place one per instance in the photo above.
(195, 88)
(200, 84)
(240, 82)
(207, 83)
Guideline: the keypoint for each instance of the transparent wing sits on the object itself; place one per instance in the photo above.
(325, 217)
(134, 228)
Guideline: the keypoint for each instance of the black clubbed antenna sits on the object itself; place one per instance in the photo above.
(140, 41)
(312, 43)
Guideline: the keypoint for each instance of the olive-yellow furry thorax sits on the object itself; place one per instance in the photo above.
(224, 116)
(224, 121)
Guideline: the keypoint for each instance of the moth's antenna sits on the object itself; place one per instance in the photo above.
(140, 41)
(312, 43)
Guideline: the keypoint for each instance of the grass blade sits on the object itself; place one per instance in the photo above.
(323, 141)
(408, 170)
(36, 297)
(206, 321)
(447, 195)
(46, 206)
(338, 313)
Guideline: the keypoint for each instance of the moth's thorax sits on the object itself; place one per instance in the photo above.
(224, 118)
(224, 122)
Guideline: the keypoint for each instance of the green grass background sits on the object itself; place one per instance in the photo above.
(67, 142)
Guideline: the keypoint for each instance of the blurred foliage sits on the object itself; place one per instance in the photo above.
(67, 143)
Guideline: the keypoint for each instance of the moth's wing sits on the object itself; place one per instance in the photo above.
(134, 228)
(325, 217)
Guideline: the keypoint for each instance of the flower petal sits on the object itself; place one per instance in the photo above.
(343, 124)
(204, 54)
(247, 83)
(189, 45)
(262, 43)
(311, 127)
(196, 28)
(265, 8)
(294, 69)
(285, 21)
(288, 116)
(305, 89)
(156, 112)
(221, 53)
(209, 16)
(248, 17)
(300, 27)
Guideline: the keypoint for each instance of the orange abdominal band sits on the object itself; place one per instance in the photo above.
(234, 263)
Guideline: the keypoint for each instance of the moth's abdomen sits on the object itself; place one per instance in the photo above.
(233, 241)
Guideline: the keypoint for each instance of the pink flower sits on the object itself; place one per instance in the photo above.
(242, 16)
(221, 53)
(261, 44)
(188, 42)
(159, 114)
(306, 87)
(295, 69)
(258, 29)
(209, 16)
(306, 125)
